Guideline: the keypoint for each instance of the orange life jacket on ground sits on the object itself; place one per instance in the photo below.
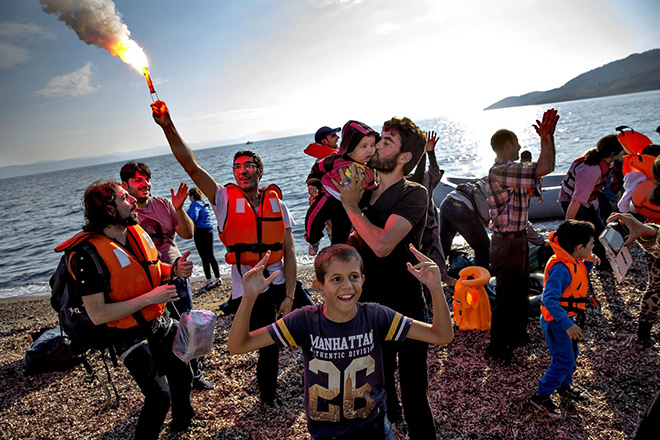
(574, 298)
(319, 151)
(568, 184)
(248, 235)
(131, 275)
(471, 304)
(641, 202)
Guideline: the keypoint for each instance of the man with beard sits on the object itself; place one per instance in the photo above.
(251, 222)
(130, 300)
(394, 218)
(162, 219)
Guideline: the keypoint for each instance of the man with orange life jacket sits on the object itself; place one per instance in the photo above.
(565, 287)
(578, 196)
(131, 300)
(325, 144)
(251, 222)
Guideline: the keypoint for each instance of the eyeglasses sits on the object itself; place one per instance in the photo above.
(249, 166)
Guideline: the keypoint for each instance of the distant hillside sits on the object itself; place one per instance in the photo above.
(639, 72)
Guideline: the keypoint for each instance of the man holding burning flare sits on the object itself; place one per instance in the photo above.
(251, 222)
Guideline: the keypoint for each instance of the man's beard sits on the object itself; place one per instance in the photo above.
(127, 221)
(383, 165)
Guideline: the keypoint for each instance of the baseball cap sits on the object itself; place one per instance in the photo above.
(322, 132)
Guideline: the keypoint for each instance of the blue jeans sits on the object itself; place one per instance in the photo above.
(564, 353)
(456, 217)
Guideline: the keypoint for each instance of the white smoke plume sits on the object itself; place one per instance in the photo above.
(98, 23)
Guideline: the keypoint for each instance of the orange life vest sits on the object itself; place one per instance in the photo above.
(471, 304)
(319, 151)
(633, 142)
(639, 162)
(574, 298)
(130, 275)
(568, 184)
(641, 202)
(247, 234)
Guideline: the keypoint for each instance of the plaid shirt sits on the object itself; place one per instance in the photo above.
(508, 195)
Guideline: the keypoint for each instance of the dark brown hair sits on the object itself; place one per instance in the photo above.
(413, 140)
(327, 255)
(130, 169)
(99, 196)
(606, 146)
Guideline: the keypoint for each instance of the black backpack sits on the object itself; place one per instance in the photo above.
(74, 320)
(477, 192)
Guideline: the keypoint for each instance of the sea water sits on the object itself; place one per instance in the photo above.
(37, 212)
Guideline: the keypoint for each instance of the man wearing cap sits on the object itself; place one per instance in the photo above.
(325, 142)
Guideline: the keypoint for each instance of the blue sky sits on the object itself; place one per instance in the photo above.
(262, 68)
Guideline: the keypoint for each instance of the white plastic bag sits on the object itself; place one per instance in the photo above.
(194, 337)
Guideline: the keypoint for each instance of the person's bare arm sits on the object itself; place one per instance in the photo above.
(185, 227)
(290, 273)
(572, 210)
(381, 240)
(101, 312)
(240, 339)
(546, 131)
(441, 332)
(182, 152)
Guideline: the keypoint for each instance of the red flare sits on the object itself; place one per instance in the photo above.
(145, 71)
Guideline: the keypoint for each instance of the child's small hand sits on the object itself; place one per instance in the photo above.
(575, 332)
(253, 280)
(426, 271)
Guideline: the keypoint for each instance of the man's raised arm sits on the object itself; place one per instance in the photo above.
(546, 131)
(182, 152)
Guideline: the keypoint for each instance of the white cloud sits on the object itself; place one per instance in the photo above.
(76, 83)
(16, 31)
(12, 36)
(12, 55)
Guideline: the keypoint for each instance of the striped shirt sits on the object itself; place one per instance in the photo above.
(508, 195)
(344, 379)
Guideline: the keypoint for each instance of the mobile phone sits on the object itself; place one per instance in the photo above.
(615, 236)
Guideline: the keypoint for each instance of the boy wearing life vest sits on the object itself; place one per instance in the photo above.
(358, 144)
(342, 341)
(565, 287)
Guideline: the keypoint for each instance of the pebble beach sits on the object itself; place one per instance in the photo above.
(471, 397)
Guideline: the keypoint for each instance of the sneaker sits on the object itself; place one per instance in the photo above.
(501, 356)
(313, 249)
(545, 404)
(573, 393)
(201, 384)
(217, 282)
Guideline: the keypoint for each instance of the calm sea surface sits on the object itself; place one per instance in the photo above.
(38, 212)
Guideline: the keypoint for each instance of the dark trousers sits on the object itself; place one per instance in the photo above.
(204, 244)
(325, 208)
(162, 377)
(510, 263)
(414, 383)
(264, 313)
(648, 427)
(456, 217)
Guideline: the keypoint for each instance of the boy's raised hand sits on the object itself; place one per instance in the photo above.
(426, 271)
(253, 280)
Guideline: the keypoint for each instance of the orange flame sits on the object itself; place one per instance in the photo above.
(130, 53)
